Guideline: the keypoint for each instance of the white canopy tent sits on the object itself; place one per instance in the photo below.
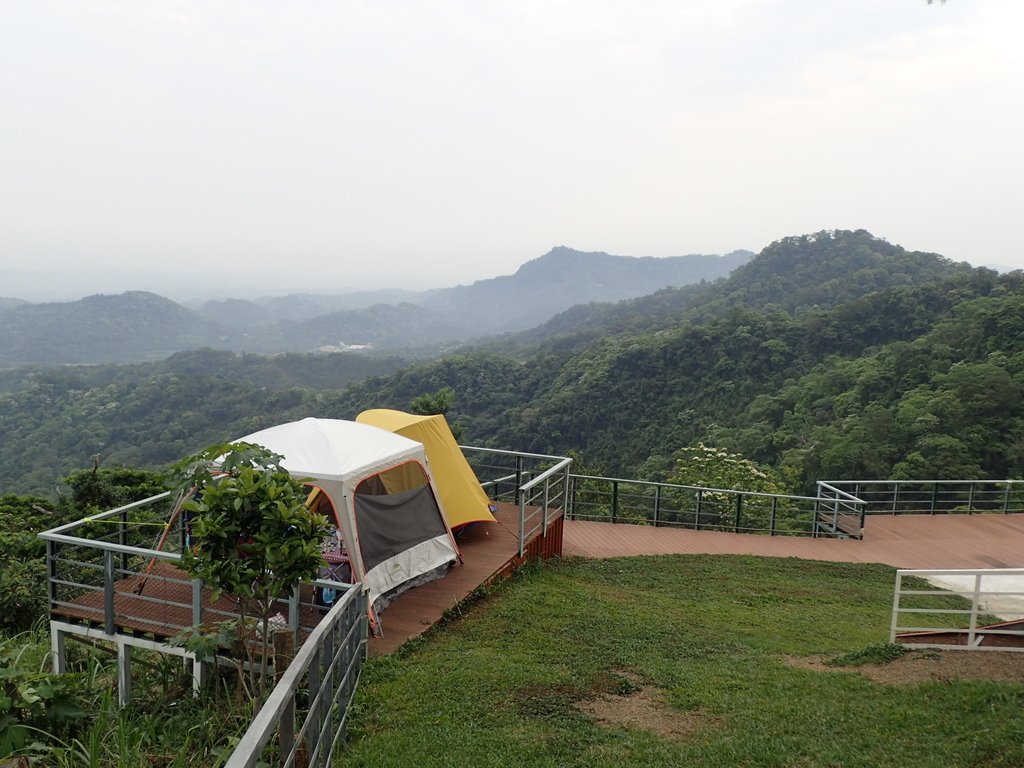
(385, 502)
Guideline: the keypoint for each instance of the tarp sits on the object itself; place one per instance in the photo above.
(463, 499)
(387, 504)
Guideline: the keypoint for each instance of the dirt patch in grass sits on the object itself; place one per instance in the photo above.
(930, 666)
(631, 704)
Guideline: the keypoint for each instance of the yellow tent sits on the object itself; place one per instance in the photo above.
(463, 499)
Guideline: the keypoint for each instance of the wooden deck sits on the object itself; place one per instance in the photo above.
(159, 605)
(905, 541)
(490, 551)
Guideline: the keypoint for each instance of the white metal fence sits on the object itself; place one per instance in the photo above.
(977, 609)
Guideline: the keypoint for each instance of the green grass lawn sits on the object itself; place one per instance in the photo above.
(706, 639)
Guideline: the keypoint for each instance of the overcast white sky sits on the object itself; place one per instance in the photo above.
(417, 144)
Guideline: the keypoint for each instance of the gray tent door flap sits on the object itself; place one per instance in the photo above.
(391, 524)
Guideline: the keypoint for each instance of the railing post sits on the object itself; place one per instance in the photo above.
(1006, 497)
(544, 514)
(519, 473)
(657, 503)
(895, 607)
(566, 483)
(197, 602)
(975, 599)
(293, 614)
(326, 713)
(935, 497)
(522, 522)
(570, 497)
(696, 519)
(615, 500)
(109, 625)
(286, 730)
(771, 521)
(970, 499)
(51, 571)
(739, 511)
(895, 497)
(122, 537)
(314, 681)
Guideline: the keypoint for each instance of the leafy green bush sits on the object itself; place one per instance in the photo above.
(253, 535)
(34, 703)
(22, 592)
(22, 564)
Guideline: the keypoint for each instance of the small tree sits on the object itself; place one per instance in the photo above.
(438, 403)
(252, 535)
(706, 467)
(715, 468)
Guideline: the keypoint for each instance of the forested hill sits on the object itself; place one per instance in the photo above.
(900, 364)
(6, 302)
(127, 327)
(800, 274)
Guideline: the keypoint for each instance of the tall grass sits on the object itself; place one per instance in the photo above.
(165, 726)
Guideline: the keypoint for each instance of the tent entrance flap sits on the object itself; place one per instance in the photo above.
(391, 524)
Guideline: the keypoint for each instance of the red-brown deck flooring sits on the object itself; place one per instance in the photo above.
(905, 541)
(488, 549)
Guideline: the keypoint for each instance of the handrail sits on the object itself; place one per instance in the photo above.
(964, 481)
(503, 452)
(822, 484)
(109, 513)
(546, 474)
(260, 731)
(123, 549)
(706, 489)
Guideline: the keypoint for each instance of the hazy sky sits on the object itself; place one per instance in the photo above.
(369, 144)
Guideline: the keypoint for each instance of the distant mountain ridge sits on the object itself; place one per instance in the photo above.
(7, 302)
(565, 277)
(140, 326)
(127, 327)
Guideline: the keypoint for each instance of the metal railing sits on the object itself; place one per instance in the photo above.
(935, 497)
(959, 613)
(118, 569)
(308, 709)
(643, 502)
(839, 512)
(536, 483)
